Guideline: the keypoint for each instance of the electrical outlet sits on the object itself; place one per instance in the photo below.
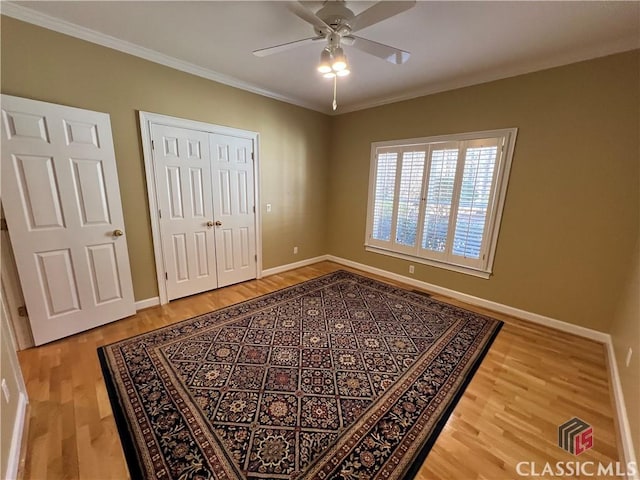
(5, 391)
(412, 269)
(295, 250)
(268, 208)
(628, 360)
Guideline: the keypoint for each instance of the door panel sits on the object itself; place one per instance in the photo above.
(88, 176)
(234, 208)
(104, 273)
(62, 204)
(39, 191)
(183, 187)
(59, 281)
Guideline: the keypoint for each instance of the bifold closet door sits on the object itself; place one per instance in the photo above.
(205, 193)
(183, 187)
(234, 207)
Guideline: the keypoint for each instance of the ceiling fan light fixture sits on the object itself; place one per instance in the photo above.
(343, 73)
(329, 75)
(339, 60)
(325, 61)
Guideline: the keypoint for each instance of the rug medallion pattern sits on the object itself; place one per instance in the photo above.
(340, 377)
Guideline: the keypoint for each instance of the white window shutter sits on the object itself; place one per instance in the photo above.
(409, 198)
(383, 206)
(439, 200)
(474, 202)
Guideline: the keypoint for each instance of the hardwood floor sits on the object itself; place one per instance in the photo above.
(533, 379)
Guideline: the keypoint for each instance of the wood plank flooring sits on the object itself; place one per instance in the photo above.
(533, 379)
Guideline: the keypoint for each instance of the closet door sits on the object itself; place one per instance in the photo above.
(234, 208)
(182, 168)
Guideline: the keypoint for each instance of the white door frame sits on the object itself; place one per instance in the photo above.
(146, 120)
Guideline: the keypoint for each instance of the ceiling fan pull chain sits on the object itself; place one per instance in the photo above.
(335, 88)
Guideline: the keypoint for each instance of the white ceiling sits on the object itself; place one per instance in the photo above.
(452, 44)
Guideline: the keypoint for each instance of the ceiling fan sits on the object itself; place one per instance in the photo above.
(336, 24)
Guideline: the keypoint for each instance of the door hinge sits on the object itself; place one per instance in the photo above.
(166, 276)
(159, 213)
(5, 228)
(153, 145)
(256, 257)
(254, 209)
(252, 156)
(22, 311)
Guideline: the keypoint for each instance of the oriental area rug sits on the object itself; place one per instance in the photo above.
(340, 377)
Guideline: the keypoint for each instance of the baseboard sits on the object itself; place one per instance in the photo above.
(480, 302)
(291, 266)
(621, 409)
(13, 462)
(147, 302)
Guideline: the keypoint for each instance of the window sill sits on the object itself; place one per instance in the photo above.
(432, 263)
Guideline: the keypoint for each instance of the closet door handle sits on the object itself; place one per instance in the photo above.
(218, 223)
(209, 223)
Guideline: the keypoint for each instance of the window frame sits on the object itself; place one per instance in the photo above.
(482, 267)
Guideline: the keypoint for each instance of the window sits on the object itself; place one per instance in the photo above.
(439, 200)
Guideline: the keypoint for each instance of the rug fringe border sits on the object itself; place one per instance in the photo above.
(131, 454)
(420, 458)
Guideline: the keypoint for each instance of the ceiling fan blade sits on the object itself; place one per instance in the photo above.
(380, 50)
(378, 12)
(263, 52)
(307, 15)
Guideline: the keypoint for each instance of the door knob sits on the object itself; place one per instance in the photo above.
(209, 223)
(118, 233)
(218, 223)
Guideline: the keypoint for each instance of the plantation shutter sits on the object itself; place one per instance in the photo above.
(409, 198)
(383, 204)
(474, 200)
(439, 200)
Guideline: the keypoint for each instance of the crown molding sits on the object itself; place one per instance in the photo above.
(46, 21)
(34, 17)
(612, 48)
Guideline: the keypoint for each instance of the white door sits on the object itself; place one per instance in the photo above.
(234, 208)
(62, 204)
(183, 185)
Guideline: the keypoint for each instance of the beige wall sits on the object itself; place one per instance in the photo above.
(570, 224)
(48, 66)
(571, 214)
(625, 333)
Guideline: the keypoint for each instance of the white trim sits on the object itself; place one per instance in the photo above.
(426, 261)
(291, 266)
(146, 120)
(52, 23)
(46, 21)
(621, 409)
(13, 460)
(503, 140)
(458, 82)
(477, 301)
(147, 302)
